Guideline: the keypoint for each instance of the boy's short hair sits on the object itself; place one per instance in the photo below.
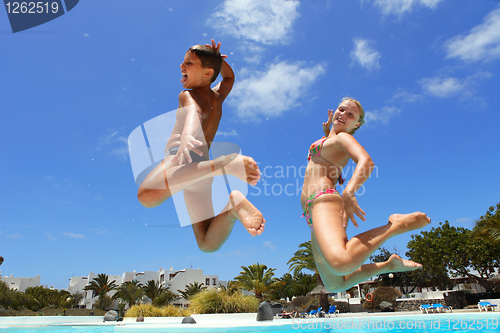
(209, 57)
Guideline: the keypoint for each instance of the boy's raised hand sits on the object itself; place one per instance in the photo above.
(217, 47)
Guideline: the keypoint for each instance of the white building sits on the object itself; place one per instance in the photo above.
(21, 283)
(173, 279)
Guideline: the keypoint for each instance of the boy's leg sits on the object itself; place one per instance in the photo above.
(212, 233)
(168, 178)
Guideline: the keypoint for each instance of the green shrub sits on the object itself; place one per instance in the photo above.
(381, 294)
(148, 310)
(223, 301)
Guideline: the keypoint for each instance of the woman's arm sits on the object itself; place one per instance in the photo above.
(328, 124)
(364, 167)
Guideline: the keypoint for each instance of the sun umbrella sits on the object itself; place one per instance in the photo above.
(319, 290)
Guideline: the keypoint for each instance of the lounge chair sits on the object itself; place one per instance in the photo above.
(426, 308)
(485, 306)
(316, 313)
(311, 313)
(441, 308)
(332, 311)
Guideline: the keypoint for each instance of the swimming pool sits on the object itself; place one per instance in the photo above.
(367, 323)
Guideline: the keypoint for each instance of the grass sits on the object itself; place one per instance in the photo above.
(148, 310)
(223, 301)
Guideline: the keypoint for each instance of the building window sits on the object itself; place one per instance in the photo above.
(214, 281)
(207, 281)
(162, 278)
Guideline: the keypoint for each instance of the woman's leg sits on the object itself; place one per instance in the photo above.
(336, 283)
(344, 256)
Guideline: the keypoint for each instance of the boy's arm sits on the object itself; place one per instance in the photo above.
(192, 127)
(224, 87)
(226, 72)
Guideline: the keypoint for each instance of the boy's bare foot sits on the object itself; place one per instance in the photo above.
(249, 216)
(407, 222)
(243, 167)
(397, 264)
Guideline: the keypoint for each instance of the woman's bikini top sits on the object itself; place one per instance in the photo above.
(315, 150)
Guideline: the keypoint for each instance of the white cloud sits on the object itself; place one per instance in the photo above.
(400, 7)
(70, 234)
(114, 138)
(443, 86)
(269, 245)
(230, 133)
(381, 116)
(482, 43)
(405, 97)
(274, 91)
(263, 21)
(14, 236)
(101, 232)
(50, 236)
(464, 221)
(364, 54)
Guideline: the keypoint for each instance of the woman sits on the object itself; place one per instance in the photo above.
(339, 260)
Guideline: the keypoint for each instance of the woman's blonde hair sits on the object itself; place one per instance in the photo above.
(361, 112)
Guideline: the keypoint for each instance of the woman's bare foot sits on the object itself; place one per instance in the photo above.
(396, 264)
(406, 222)
(243, 167)
(249, 216)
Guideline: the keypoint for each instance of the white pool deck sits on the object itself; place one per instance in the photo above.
(226, 320)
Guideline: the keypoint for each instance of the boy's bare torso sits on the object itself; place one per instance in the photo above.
(210, 108)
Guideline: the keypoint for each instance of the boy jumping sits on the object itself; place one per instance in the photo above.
(186, 165)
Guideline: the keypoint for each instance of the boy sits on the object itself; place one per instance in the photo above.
(186, 165)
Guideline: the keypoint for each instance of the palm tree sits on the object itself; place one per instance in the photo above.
(256, 278)
(284, 287)
(488, 228)
(303, 283)
(166, 297)
(130, 292)
(304, 259)
(488, 225)
(230, 288)
(101, 285)
(153, 289)
(191, 290)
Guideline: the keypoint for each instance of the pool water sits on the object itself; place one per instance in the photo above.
(433, 323)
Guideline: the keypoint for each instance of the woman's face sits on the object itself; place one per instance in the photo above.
(345, 118)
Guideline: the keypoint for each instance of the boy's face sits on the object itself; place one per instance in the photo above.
(193, 74)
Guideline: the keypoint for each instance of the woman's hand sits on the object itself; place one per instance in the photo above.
(351, 207)
(328, 124)
(188, 143)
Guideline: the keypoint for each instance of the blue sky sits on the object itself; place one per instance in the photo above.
(73, 89)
